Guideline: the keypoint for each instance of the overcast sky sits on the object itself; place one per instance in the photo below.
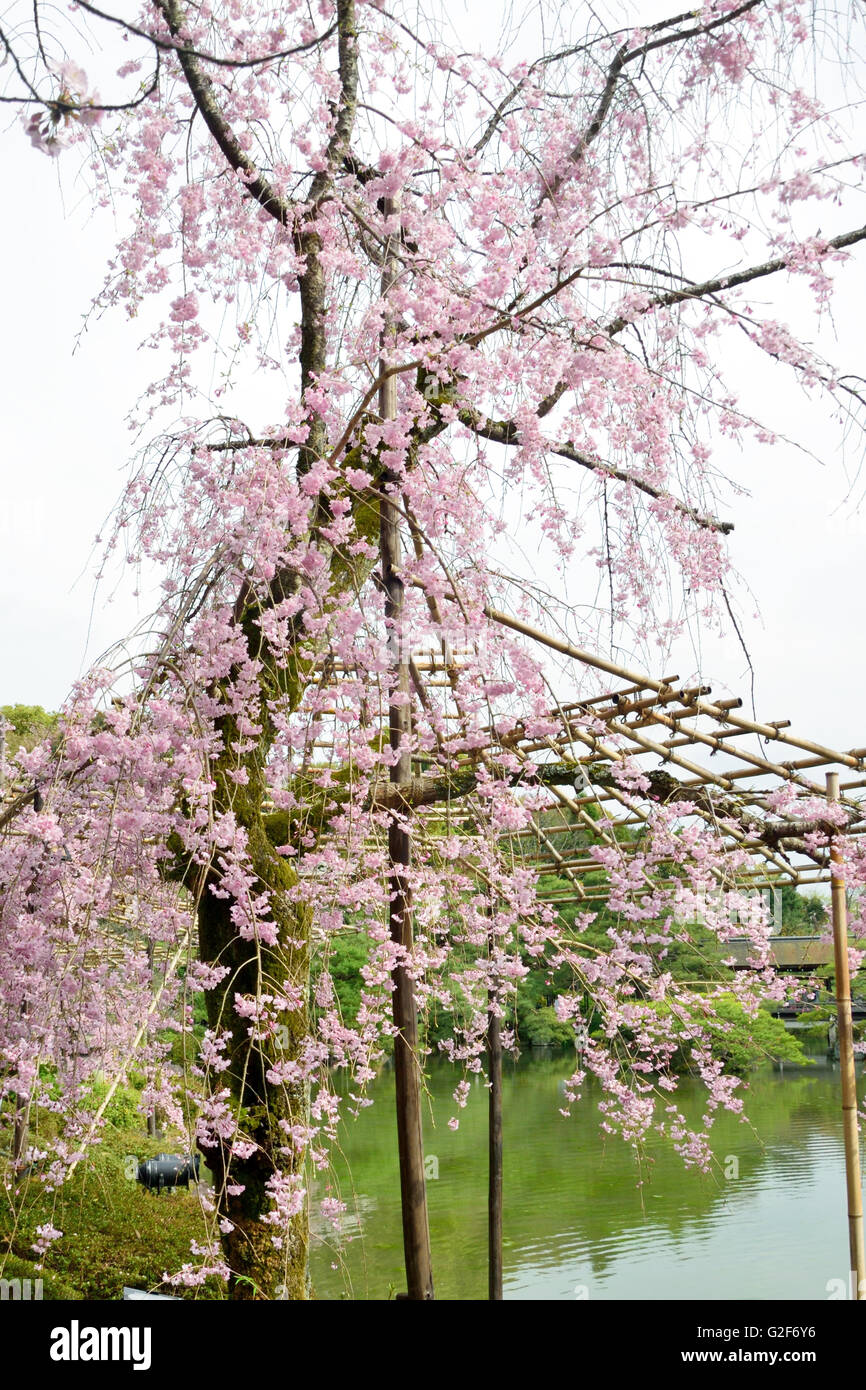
(798, 540)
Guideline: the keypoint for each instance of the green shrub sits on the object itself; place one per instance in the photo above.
(542, 1028)
(737, 1040)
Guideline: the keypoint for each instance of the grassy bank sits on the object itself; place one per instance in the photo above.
(115, 1233)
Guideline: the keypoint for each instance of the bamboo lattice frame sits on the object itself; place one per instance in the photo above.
(693, 750)
(706, 754)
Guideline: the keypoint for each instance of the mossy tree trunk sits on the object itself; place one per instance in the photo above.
(268, 1111)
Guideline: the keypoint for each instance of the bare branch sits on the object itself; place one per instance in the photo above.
(185, 50)
(201, 89)
(728, 282)
(623, 57)
(507, 432)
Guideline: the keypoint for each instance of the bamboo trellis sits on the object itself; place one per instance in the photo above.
(704, 754)
(708, 755)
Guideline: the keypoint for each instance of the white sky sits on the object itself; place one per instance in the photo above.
(799, 538)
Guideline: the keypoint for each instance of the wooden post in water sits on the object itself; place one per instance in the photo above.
(857, 1262)
(494, 1197)
(413, 1191)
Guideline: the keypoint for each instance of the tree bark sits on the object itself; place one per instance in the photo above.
(260, 1269)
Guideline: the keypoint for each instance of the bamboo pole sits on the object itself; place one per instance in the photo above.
(494, 1200)
(494, 1149)
(715, 710)
(857, 1262)
(410, 1142)
(757, 765)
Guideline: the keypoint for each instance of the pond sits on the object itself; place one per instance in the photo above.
(578, 1223)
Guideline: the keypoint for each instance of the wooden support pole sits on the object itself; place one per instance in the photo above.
(413, 1191)
(857, 1263)
(494, 1149)
(19, 1133)
(22, 1109)
(494, 1196)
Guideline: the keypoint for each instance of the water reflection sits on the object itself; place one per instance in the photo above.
(581, 1218)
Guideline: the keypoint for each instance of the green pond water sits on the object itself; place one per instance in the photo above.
(577, 1222)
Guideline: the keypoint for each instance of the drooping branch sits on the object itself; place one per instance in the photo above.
(507, 432)
(727, 282)
(189, 50)
(59, 109)
(202, 91)
(623, 57)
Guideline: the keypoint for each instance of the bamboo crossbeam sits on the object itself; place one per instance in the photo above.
(739, 836)
(713, 741)
(684, 697)
(686, 735)
(714, 711)
(843, 759)
(608, 695)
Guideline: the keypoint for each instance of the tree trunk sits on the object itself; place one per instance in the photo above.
(260, 1269)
